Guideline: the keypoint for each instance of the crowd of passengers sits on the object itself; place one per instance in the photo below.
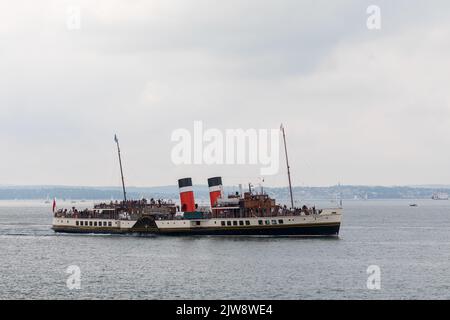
(132, 204)
(284, 211)
(98, 211)
(85, 214)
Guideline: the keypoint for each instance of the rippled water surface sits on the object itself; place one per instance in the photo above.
(411, 245)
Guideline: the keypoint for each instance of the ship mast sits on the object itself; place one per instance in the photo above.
(121, 170)
(287, 165)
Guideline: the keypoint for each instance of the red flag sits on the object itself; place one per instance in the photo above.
(54, 205)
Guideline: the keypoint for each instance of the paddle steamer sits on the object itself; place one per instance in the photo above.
(241, 213)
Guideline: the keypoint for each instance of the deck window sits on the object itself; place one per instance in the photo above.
(90, 223)
(109, 224)
(247, 223)
(76, 222)
(234, 223)
(95, 223)
(81, 223)
(241, 223)
(104, 223)
(267, 221)
(228, 223)
(280, 221)
(260, 222)
(222, 223)
(274, 221)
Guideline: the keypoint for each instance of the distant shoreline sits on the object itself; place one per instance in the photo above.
(344, 192)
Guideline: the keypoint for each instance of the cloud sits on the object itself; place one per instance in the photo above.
(360, 106)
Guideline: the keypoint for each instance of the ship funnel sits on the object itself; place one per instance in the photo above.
(215, 189)
(186, 195)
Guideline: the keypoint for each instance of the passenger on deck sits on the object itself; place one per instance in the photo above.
(305, 210)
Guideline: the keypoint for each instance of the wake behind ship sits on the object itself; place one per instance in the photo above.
(242, 213)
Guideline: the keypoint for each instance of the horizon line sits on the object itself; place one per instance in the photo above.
(205, 185)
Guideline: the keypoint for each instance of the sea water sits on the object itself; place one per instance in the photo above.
(408, 247)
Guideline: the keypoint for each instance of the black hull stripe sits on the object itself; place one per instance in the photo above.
(67, 229)
(259, 227)
(322, 230)
(291, 231)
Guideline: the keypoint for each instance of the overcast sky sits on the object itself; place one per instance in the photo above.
(360, 106)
